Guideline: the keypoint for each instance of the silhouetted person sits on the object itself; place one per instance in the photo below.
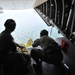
(50, 52)
(9, 55)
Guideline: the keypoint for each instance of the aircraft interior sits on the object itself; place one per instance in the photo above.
(53, 15)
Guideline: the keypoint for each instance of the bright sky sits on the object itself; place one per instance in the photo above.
(29, 24)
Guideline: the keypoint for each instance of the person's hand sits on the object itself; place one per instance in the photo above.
(21, 47)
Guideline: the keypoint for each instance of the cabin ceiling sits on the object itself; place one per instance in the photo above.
(19, 4)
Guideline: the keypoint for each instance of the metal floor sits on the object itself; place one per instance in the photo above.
(49, 69)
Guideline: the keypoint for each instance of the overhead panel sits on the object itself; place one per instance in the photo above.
(23, 4)
(38, 2)
(19, 4)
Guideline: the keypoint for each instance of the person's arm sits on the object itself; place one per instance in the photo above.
(36, 43)
(19, 45)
